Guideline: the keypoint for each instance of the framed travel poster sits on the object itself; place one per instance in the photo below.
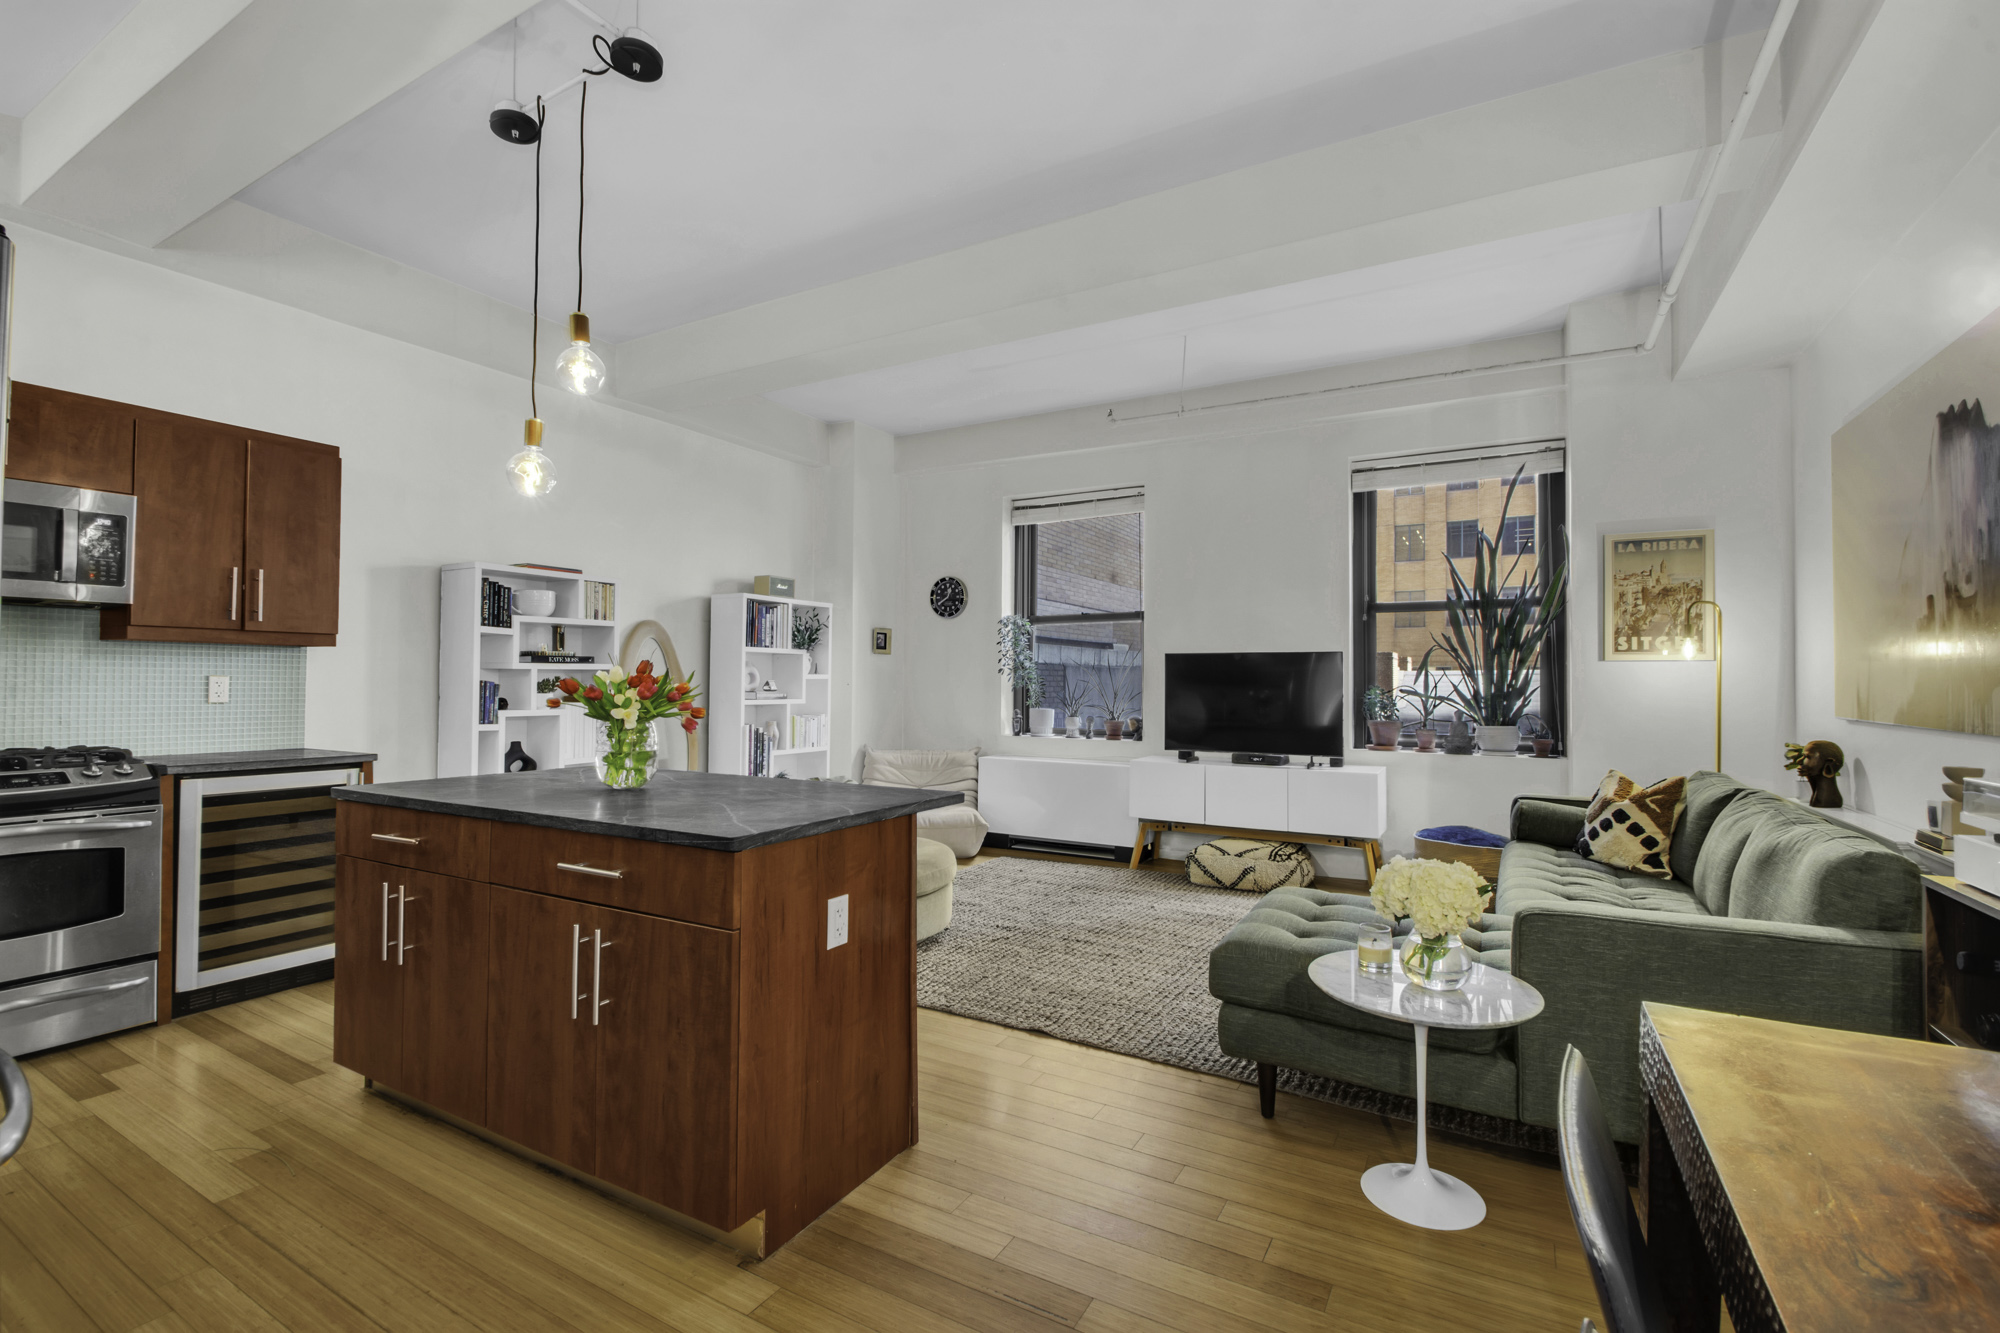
(1652, 581)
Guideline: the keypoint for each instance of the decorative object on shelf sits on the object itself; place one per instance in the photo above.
(1133, 725)
(752, 678)
(1441, 898)
(534, 602)
(1945, 816)
(1379, 707)
(1016, 656)
(1652, 582)
(518, 760)
(880, 639)
(626, 705)
(773, 585)
(648, 641)
(1458, 737)
(770, 689)
(948, 596)
(1819, 763)
(558, 638)
(1494, 639)
(808, 627)
(1632, 827)
(502, 703)
(1428, 699)
(1692, 641)
(1374, 948)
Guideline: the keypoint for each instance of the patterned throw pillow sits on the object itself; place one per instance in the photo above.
(1249, 865)
(1632, 827)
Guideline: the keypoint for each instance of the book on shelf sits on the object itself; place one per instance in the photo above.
(767, 625)
(808, 732)
(556, 659)
(600, 600)
(489, 702)
(496, 604)
(1933, 841)
(553, 569)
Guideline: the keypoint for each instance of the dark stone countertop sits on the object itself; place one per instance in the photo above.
(252, 761)
(714, 810)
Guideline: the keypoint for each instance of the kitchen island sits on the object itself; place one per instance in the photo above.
(700, 994)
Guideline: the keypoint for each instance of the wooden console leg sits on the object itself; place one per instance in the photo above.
(1267, 1089)
(1138, 844)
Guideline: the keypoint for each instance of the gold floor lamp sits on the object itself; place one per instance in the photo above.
(1687, 650)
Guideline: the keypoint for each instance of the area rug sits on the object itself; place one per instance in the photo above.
(1118, 959)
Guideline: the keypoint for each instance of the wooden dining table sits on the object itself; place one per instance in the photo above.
(1817, 1179)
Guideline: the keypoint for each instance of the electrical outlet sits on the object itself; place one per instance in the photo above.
(218, 689)
(836, 921)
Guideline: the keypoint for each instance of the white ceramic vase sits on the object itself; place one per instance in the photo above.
(1041, 721)
(1499, 740)
(1073, 725)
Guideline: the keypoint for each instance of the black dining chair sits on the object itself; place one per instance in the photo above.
(1599, 1201)
(20, 1103)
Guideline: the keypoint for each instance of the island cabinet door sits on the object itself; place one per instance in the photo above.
(368, 985)
(541, 1051)
(663, 996)
(441, 942)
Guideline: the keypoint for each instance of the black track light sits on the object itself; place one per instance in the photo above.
(631, 54)
(510, 121)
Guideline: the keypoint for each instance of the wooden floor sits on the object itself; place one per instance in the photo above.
(222, 1174)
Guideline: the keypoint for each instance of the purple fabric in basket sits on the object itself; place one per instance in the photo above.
(1462, 835)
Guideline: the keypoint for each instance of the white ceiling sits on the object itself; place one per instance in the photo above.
(41, 40)
(794, 143)
(1497, 290)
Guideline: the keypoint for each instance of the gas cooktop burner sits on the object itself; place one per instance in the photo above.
(22, 758)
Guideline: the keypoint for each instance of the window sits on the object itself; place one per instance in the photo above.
(1080, 581)
(1409, 490)
(1400, 599)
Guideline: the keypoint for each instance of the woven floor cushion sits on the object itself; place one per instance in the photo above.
(1250, 865)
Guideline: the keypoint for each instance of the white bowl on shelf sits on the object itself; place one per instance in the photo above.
(534, 602)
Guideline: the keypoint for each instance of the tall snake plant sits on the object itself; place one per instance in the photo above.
(1494, 640)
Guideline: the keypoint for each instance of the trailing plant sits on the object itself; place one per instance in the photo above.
(1425, 694)
(1495, 640)
(1378, 704)
(1017, 658)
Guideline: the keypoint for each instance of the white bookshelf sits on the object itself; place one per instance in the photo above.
(800, 693)
(470, 653)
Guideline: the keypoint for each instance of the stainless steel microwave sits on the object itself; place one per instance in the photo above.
(66, 544)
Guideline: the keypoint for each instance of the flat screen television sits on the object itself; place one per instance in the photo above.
(1265, 703)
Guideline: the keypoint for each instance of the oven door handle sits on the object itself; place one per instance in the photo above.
(71, 825)
(35, 1002)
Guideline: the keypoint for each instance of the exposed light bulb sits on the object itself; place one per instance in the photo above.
(579, 369)
(530, 471)
(1687, 648)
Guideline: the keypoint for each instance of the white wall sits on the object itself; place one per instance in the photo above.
(1940, 279)
(668, 514)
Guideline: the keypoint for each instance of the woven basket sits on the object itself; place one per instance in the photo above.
(1485, 860)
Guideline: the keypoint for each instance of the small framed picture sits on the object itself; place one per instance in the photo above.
(881, 640)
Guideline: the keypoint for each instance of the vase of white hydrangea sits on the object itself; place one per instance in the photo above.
(1441, 898)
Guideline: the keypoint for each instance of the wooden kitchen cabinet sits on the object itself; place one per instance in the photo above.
(291, 538)
(188, 476)
(410, 1007)
(541, 1068)
(69, 439)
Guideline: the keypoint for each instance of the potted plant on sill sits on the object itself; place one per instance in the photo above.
(1494, 640)
(1117, 693)
(1075, 698)
(1379, 707)
(1018, 665)
(1428, 699)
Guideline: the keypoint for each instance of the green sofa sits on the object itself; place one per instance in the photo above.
(1773, 911)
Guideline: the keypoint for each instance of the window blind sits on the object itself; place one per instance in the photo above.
(1079, 504)
(1447, 465)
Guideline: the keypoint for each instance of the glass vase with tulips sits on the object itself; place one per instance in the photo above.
(629, 705)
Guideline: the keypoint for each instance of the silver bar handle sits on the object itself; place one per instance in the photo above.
(590, 870)
(67, 573)
(398, 839)
(402, 931)
(64, 825)
(575, 966)
(597, 974)
(77, 994)
(235, 576)
(385, 920)
(260, 595)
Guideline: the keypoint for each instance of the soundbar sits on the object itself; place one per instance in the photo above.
(1269, 760)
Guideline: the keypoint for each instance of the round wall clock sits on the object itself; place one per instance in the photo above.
(948, 596)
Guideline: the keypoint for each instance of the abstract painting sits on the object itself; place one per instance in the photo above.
(1652, 581)
(1916, 547)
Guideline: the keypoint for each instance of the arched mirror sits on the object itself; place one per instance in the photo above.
(648, 641)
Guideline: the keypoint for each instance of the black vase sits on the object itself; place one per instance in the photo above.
(518, 760)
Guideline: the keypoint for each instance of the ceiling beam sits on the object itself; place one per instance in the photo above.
(186, 102)
(1606, 144)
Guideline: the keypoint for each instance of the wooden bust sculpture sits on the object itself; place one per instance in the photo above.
(1819, 763)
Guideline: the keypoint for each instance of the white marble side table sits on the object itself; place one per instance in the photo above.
(1414, 1192)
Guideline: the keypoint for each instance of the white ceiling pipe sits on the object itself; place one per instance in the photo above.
(1711, 186)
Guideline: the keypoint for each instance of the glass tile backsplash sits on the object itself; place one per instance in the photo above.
(62, 685)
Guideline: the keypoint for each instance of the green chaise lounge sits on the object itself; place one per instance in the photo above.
(1773, 911)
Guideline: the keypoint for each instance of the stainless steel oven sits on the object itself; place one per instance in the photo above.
(79, 923)
(66, 544)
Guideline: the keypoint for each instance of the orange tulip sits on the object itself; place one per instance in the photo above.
(593, 694)
(569, 685)
(554, 702)
(645, 667)
(697, 712)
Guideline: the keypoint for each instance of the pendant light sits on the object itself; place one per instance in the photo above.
(579, 369)
(530, 471)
